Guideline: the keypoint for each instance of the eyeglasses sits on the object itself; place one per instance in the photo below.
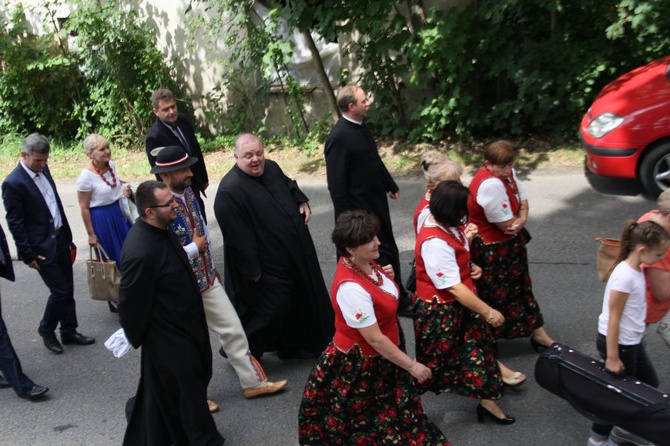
(166, 205)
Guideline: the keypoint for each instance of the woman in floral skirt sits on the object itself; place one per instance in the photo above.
(499, 207)
(451, 323)
(362, 390)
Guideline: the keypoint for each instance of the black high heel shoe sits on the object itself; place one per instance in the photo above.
(483, 412)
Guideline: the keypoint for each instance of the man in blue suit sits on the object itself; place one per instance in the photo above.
(10, 366)
(42, 235)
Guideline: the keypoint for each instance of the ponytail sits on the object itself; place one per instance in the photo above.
(648, 234)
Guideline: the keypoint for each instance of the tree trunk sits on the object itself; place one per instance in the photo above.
(321, 71)
(417, 14)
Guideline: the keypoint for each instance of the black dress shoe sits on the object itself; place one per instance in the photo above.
(34, 394)
(76, 338)
(51, 342)
(4, 384)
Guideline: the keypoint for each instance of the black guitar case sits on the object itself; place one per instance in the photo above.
(603, 397)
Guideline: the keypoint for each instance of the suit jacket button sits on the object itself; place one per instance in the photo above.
(53, 235)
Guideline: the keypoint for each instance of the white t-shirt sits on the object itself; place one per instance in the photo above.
(492, 197)
(356, 303)
(102, 194)
(631, 327)
(439, 259)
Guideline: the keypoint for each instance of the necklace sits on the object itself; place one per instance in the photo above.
(357, 269)
(102, 175)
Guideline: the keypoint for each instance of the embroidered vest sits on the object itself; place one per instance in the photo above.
(188, 218)
(489, 232)
(425, 290)
(385, 305)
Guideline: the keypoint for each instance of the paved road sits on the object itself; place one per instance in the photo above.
(89, 387)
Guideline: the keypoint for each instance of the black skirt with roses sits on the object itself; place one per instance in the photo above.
(352, 399)
(457, 345)
(506, 286)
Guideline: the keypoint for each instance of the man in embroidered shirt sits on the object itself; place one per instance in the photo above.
(171, 128)
(174, 167)
(37, 221)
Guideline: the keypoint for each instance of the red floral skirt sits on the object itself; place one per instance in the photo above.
(506, 286)
(457, 345)
(351, 399)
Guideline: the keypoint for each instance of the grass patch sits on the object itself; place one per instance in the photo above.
(401, 157)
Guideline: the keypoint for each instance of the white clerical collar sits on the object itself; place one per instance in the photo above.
(351, 120)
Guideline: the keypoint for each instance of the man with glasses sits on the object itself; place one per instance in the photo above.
(174, 167)
(161, 310)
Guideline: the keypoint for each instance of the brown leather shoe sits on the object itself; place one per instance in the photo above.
(213, 407)
(266, 388)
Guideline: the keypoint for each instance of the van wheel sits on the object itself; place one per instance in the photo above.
(655, 170)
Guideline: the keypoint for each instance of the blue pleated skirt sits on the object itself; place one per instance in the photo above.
(111, 227)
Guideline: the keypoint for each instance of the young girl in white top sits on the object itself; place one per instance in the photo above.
(621, 323)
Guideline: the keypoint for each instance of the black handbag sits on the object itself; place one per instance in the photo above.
(410, 284)
(603, 397)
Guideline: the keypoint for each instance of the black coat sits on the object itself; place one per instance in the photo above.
(265, 234)
(161, 136)
(6, 268)
(161, 310)
(358, 179)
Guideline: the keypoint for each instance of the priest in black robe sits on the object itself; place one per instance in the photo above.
(272, 271)
(358, 178)
(161, 310)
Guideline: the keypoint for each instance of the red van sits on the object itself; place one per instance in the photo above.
(626, 131)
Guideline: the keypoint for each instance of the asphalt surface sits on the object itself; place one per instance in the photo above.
(89, 387)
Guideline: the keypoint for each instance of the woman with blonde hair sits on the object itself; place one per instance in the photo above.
(98, 192)
(438, 167)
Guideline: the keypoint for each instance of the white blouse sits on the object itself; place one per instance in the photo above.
(356, 304)
(102, 194)
(492, 197)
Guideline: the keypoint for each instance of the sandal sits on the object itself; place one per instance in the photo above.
(515, 381)
(213, 407)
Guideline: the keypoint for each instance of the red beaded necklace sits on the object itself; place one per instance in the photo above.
(102, 175)
(357, 269)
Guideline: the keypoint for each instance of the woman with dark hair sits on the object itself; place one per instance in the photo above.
(451, 323)
(361, 391)
(499, 207)
(438, 167)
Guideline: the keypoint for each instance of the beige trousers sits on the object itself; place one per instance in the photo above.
(222, 319)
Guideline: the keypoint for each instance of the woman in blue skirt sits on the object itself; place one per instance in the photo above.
(99, 191)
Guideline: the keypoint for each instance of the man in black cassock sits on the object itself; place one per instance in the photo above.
(161, 310)
(272, 272)
(358, 178)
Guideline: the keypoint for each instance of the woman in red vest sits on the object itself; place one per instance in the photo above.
(499, 207)
(438, 167)
(451, 324)
(362, 390)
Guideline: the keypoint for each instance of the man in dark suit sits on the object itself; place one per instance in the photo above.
(171, 128)
(10, 366)
(358, 178)
(42, 235)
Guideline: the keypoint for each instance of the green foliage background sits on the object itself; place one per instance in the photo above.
(468, 69)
